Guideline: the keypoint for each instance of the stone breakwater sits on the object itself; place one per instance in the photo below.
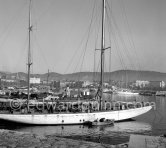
(13, 139)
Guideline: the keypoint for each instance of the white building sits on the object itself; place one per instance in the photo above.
(86, 83)
(162, 84)
(141, 83)
(34, 80)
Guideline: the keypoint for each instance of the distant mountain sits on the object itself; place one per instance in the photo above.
(120, 75)
(131, 75)
(52, 76)
(2, 73)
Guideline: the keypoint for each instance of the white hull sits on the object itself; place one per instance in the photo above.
(73, 118)
(127, 93)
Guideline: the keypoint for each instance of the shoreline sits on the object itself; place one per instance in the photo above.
(13, 139)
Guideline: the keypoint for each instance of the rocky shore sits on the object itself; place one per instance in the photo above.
(13, 139)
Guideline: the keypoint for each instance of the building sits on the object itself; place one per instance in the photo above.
(150, 84)
(157, 84)
(162, 84)
(141, 83)
(44, 88)
(8, 82)
(34, 80)
(86, 83)
(56, 84)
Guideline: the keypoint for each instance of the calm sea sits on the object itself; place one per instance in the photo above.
(151, 123)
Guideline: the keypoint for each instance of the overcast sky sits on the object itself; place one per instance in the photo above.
(60, 35)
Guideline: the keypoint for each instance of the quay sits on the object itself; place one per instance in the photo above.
(14, 139)
(143, 141)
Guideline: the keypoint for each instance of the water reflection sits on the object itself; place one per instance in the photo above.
(116, 134)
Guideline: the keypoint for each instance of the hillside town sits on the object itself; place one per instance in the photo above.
(49, 85)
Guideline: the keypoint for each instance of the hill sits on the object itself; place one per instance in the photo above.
(120, 75)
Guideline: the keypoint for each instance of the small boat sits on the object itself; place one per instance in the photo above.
(103, 121)
(106, 90)
(161, 93)
(126, 92)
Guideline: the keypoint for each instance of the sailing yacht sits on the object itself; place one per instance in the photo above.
(77, 117)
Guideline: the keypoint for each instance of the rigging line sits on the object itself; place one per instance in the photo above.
(22, 53)
(79, 61)
(123, 43)
(130, 33)
(98, 69)
(98, 27)
(109, 34)
(91, 21)
(68, 34)
(98, 31)
(116, 43)
(120, 36)
(74, 56)
(94, 66)
(119, 53)
(124, 46)
(125, 21)
(7, 27)
(97, 77)
(131, 40)
(13, 23)
(76, 50)
(41, 49)
(79, 47)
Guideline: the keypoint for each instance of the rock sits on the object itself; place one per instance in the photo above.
(12, 139)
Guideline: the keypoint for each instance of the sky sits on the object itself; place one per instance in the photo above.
(67, 32)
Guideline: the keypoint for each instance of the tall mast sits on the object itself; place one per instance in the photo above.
(102, 50)
(48, 77)
(29, 53)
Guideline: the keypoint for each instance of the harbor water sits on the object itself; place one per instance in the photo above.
(151, 123)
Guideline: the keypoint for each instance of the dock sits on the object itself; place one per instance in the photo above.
(143, 141)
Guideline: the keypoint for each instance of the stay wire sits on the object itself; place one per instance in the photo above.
(117, 47)
(11, 25)
(96, 41)
(113, 21)
(40, 50)
(131, 41)
(130, 34)
(114, 38)
(123, 43)
(89, 31)
(76, 51)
